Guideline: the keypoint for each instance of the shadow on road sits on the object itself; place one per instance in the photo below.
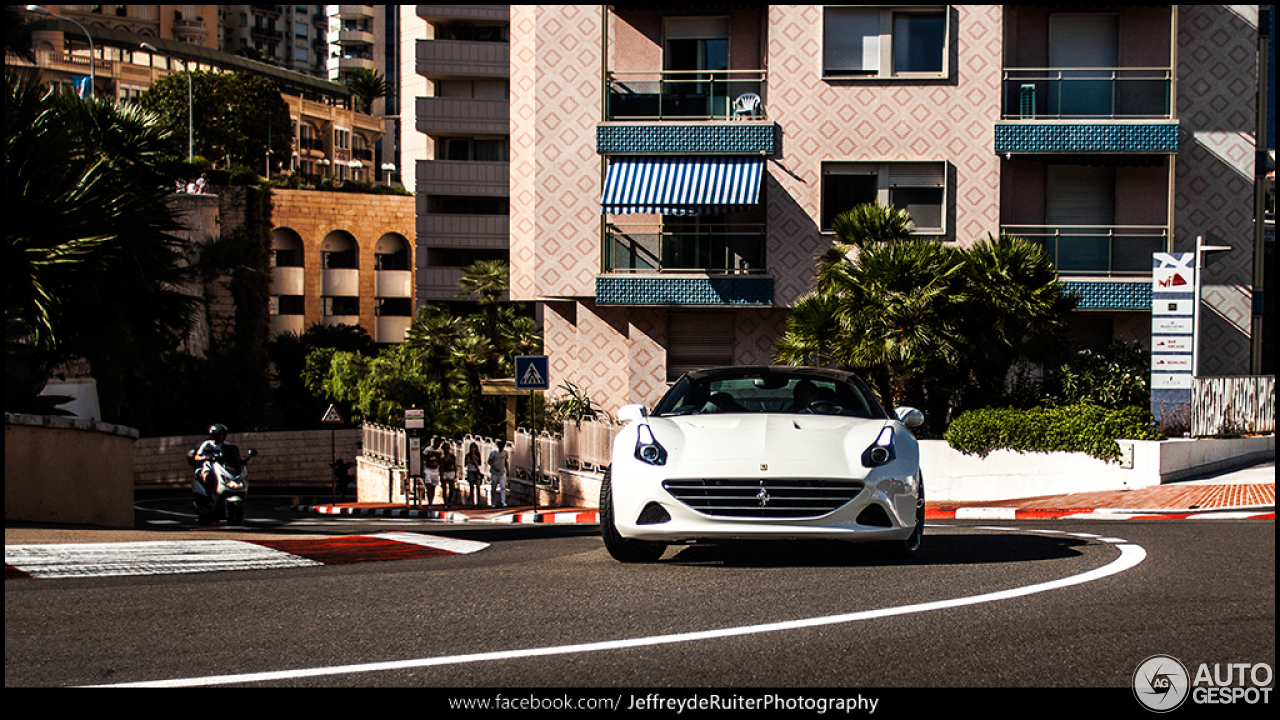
(938, 549)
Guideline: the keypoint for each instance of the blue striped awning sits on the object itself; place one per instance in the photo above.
(681, 185)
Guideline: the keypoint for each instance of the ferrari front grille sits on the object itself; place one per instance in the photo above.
(766, 498)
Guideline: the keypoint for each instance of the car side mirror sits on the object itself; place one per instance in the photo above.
(632, 413)
(910, 417)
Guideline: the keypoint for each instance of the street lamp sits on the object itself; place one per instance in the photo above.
(93, 69)
(388, 168)
(190, 116)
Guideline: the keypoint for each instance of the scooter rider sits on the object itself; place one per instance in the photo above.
(208, 451)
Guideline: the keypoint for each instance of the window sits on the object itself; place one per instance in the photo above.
(918, 188)
(482, 149)
(884, 42)
(341, 305)
(289, 305)
(467, 205)
(696, 341)
(393, 307)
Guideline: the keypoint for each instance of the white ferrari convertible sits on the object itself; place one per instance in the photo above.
(763, 453)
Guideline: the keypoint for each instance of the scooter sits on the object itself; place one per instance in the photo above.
(229, 471)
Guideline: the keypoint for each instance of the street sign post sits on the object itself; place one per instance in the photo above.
(532, 373)
(333, 419)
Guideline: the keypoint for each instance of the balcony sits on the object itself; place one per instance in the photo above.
(463, 177)
(687, 95)
(1097, 250)
(721, 249)
(340, 282)
(287, 281)
(1087, 93)
(393, 284)
(465, 231)
(463, 59)
(462, 116)
(471, 13)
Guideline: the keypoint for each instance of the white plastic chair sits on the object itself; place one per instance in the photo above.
(746, 104)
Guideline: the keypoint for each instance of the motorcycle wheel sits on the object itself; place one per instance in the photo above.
(235, 513)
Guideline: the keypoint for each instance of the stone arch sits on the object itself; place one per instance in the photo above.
(287, 249)
(339, 250)
(392, 252)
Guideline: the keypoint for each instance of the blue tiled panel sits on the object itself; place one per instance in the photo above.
(1104, 295)
(704, 138)
(684, 291)
(1022, 137)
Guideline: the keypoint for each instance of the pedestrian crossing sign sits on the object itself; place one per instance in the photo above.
(531, 372)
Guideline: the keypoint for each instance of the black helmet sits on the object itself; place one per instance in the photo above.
(217, 429)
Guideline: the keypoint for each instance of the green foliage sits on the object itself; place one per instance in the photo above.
(927, 323)
(91, 265)
(237, 117)
(367, 86)
(1076, 428)
(1115, 379)
(439, 366)
(868, 224)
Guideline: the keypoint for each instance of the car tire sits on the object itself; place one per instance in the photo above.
(910, 547)
(623, 549)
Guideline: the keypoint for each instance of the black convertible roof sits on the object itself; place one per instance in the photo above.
(753, 370)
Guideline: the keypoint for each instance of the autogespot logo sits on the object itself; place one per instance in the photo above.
(1160, 683)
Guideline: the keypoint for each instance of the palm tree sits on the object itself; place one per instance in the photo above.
(91, 267)
(367, 86)
(487, 281)
(870, 224)
(1019, 311)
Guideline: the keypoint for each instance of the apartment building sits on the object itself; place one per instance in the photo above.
(675, 169)
(462, 176)
(290, 36)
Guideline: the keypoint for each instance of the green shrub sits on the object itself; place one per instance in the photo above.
(1077, 428)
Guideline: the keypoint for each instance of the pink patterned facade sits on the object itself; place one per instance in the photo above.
(570, 66)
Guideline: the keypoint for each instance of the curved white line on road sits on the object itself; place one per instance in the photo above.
(1130, 556)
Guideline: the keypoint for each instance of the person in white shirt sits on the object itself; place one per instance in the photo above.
(498, 475)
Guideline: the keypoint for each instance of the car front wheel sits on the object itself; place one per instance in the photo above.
(622, 549)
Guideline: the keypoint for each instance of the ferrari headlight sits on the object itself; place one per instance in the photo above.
(647, 448)
(881, 452)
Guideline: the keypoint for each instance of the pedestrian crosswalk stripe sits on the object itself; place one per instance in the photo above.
(193, 556)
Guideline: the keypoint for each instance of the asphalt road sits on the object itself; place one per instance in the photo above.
(1049, 604)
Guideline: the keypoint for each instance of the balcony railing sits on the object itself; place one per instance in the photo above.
(1084, 93)
(687, 95)
(719, 249)
(1108, 250)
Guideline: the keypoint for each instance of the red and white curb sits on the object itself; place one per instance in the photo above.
(520, 518)
(1008, 513)
(194, 556)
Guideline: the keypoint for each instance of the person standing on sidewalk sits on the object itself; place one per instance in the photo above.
(474, 476)
(431, 468)
(449, 473)
(498, 475)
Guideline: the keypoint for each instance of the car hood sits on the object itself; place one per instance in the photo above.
(776, 444)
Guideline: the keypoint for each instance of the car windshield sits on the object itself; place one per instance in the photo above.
(769, 392)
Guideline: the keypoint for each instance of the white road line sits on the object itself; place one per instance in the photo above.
(1130, 556)
(453, 545)
(145, 558)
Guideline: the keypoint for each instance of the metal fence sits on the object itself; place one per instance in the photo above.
(1233, 405)
(583, 446)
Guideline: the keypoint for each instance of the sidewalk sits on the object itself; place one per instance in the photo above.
(1248, 492)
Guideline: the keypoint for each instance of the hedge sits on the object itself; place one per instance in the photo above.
(1077, 428)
